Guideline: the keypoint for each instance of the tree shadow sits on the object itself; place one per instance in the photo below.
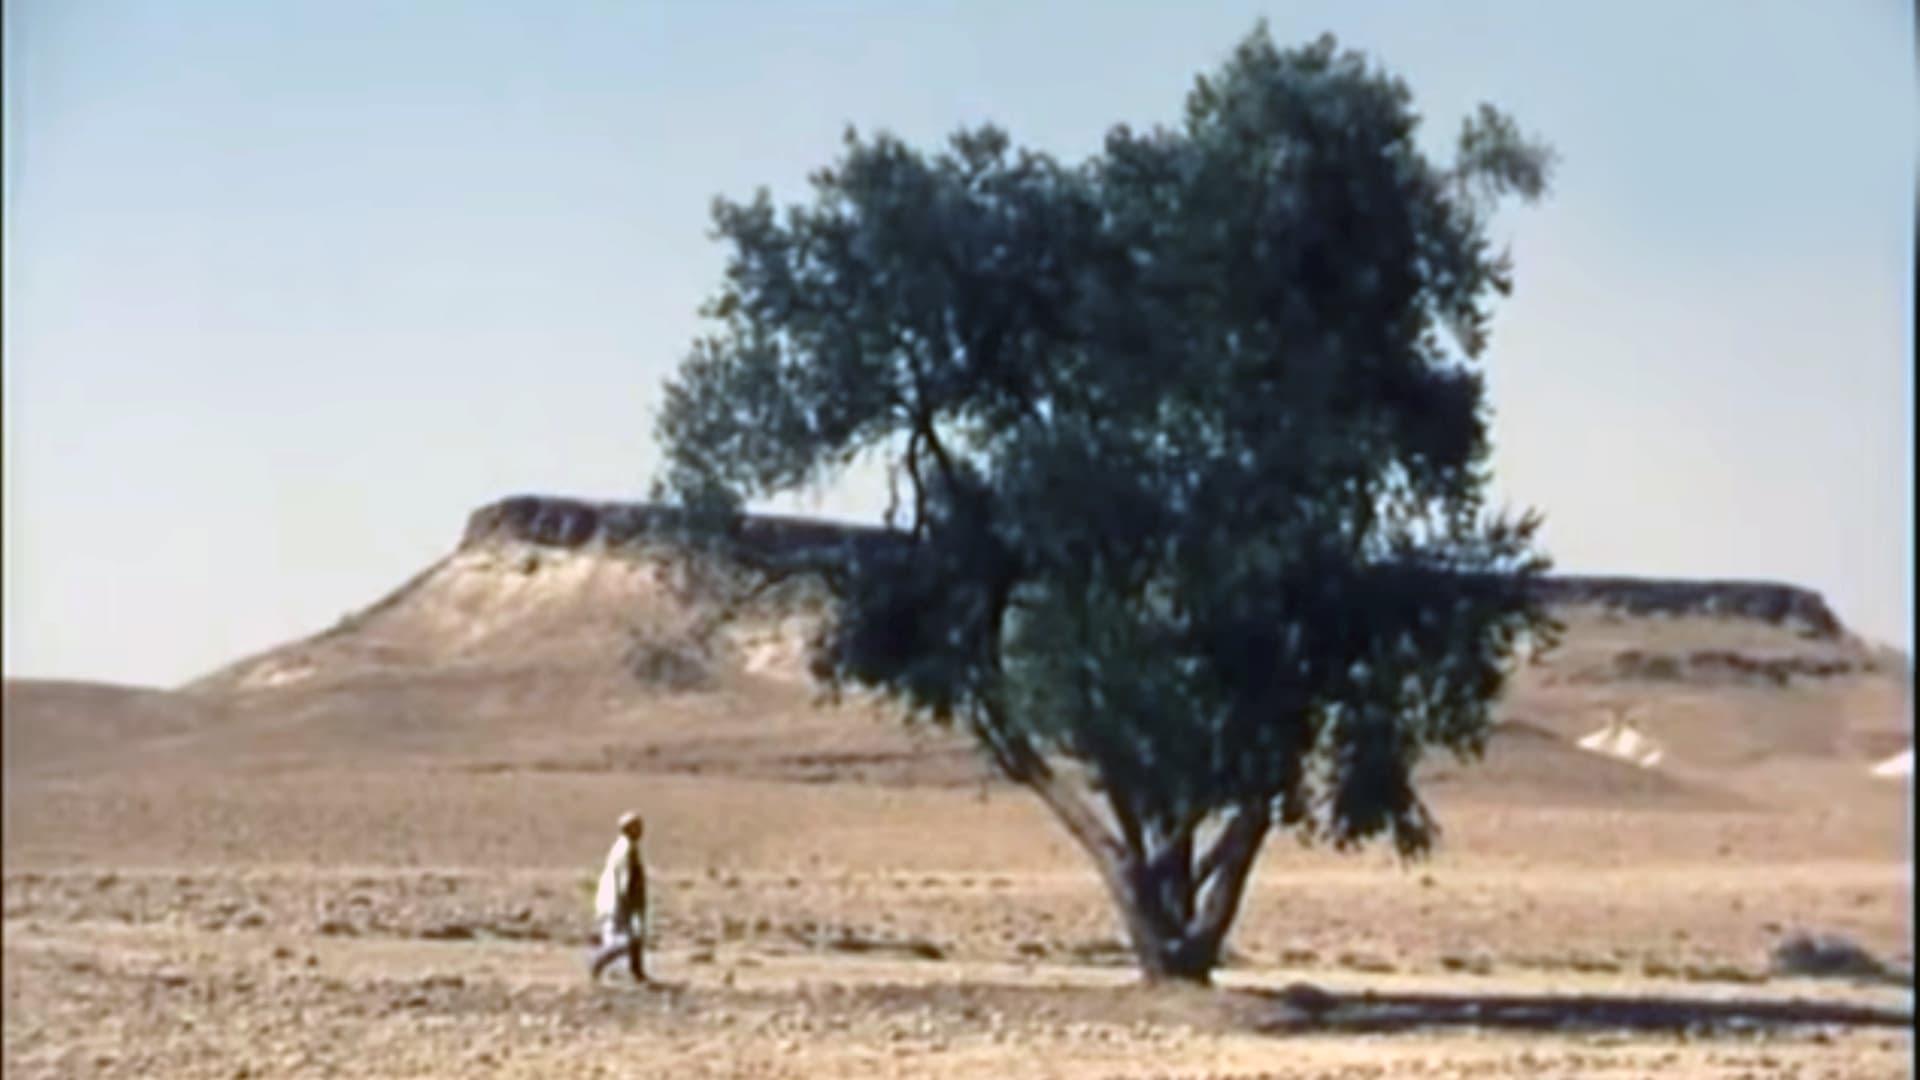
(1284, 1011)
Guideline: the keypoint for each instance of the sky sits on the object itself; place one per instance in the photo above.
(291, 288)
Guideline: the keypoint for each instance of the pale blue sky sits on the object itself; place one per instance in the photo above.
(292, 287)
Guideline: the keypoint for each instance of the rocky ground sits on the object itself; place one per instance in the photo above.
(371, 853)
(276, 928)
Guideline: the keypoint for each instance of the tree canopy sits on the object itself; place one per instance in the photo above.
(1191, 450)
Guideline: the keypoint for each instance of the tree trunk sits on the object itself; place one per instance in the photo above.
(1177, 908)
(1166, 942)
(1178, 913)
(1172, 956)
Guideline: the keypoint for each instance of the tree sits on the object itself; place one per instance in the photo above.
(1190, 452)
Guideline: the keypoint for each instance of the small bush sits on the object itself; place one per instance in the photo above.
(1826, 956)
(1469, 963)
(670, 662)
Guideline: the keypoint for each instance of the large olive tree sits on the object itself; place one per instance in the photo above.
(1190, 451)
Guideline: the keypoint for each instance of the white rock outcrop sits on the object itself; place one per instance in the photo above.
(1897, 767)
(1622, 739)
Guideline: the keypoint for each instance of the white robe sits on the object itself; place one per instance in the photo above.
(610, 900)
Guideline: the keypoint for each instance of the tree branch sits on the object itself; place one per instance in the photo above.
(1226, 868)
(921, 413)
(1128, 820)
(1020, 762)
(1225, 844)
(919, 484)
(1172, 870)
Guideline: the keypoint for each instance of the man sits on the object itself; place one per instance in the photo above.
(620, 904)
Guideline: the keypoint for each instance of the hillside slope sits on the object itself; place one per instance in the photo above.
(59, 726)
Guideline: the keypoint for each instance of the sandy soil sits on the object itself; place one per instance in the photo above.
(372, 854)
(403, 923)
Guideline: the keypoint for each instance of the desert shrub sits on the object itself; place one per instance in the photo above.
(671, 659)
(1826, 956)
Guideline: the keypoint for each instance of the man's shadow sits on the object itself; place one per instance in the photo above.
(1304, 1008)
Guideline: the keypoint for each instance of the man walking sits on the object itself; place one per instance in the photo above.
(620, 904)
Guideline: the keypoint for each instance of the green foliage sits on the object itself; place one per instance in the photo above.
(1192, 442)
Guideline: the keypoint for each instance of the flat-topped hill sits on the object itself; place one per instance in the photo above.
(574, 524)
(566, 635)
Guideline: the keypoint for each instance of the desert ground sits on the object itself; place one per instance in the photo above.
(372, 853)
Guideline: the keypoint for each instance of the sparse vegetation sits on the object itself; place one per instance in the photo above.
(675, 660)
(1827, 956)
